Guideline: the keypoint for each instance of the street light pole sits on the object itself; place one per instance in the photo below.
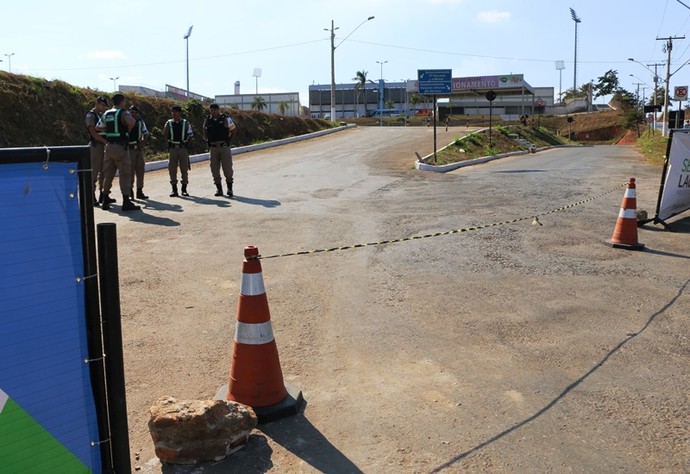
(186, 38)
(656, 83)
(333, 47)
(114, 83)
(9, 61)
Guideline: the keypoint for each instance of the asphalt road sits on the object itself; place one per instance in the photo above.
(508, 348)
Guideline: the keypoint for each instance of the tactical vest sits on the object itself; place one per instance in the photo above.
(115, 131)
(99, 120)
(177, 131)
(216, 131)
(137, 132)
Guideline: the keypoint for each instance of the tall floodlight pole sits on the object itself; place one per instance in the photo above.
(333, 46)
(186, 38)
(560, 65)
(577, 20)
(9, 61)
(114, 79)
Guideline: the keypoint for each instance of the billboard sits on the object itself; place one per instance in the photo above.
(674, 197)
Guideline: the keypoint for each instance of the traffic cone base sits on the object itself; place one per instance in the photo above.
(625, 233)
(288, 406)
(256, 379)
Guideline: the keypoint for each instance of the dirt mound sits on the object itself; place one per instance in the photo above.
(38, 112)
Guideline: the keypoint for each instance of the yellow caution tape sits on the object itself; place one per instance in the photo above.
(535, 220)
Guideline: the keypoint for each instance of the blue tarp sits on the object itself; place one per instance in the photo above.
(43, 336)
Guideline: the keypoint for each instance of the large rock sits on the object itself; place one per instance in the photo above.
(192, 431)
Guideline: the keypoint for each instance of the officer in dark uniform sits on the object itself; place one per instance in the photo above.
(137, 136)
(97, 141)
(219, 130)
(118, 123)
(179, 131)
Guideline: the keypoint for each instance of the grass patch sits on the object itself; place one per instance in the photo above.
(652, 145)
(502, 140)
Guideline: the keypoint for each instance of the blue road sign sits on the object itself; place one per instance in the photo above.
(435, 81)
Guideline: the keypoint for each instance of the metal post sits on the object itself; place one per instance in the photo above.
(112, 346)
(434, 113)
(332, 71)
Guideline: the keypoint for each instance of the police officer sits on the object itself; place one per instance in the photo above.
(118, 123)
(219, 130)
(97, 141)
(137, 136)
(179, 131)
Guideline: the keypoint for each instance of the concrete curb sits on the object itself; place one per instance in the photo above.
(162, 164)
(422, 166)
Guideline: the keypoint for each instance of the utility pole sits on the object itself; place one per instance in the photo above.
(656, 86)
(669, 47)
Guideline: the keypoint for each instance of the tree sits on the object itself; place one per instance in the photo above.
(414, 100)
(258, 103)
(361, 78)
(608, 84)
(283, 107)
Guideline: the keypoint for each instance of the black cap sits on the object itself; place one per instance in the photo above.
(102, 100)
(176, 107)
(134, 108)
(213, 106)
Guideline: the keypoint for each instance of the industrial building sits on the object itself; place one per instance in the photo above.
(514, 97)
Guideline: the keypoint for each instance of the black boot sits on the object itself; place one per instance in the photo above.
(128, 205)
(219, 190)
(174, 191)
(105, 199)
(184, 190)
(230, 187)
(140, 194)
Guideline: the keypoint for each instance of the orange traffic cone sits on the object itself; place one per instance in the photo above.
(255, 378)
(625, 233)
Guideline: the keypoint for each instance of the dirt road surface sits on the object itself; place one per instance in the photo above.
(511, 348)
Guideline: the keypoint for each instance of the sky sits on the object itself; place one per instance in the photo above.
(140, 42)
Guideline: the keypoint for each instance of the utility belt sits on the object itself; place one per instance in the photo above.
(216, 145)
(135, 145)
(177, 145)
(121, 143)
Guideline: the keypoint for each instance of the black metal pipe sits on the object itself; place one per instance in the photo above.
(112, 346)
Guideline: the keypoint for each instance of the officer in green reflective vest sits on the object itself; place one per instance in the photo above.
(96, 131)
(118, 123)
(137, 136)
(179, 131)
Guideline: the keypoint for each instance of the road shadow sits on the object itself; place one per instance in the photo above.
(680, 226)
(153, 205)
(144, 217)
(257, 202)
(450, 464)
(208, 201)
(665, 254)
(253, 458)
(295, 433)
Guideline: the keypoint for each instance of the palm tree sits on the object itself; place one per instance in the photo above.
(258, 103)
(361, 83)
(414, 100)
(283, 107)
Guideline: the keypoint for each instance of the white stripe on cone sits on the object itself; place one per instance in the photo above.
(254, 334)
(628, 214)
(629, 193)
(252, 284)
